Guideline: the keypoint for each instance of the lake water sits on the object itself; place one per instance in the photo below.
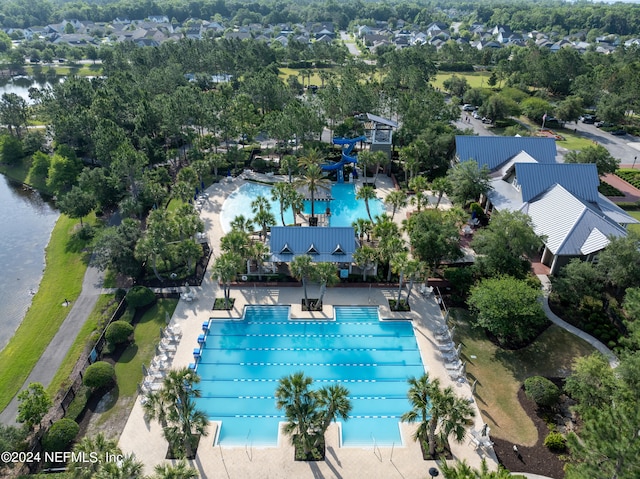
(20, 86)
(26, 222)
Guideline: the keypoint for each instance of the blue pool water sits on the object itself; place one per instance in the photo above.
(345, 209)
(242, 362)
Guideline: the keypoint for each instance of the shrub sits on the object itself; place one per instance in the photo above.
(259, 164)
(542, 391)
(99, 374)
(120, 294)
(140, 296)
(60, 435)
(119, 332)
(556, 442)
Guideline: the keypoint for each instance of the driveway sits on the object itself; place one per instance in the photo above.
(625, 147)
(350, 44)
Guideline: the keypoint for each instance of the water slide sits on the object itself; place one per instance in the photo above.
(348, 144)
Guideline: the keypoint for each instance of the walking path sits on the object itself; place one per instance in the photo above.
(546, 287)
(51, 360)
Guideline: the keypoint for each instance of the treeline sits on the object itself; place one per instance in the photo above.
(564, 18)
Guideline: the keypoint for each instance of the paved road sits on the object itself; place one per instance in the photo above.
(51, 360)
(624, 147)
(351, 46)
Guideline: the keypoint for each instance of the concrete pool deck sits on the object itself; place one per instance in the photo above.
(402, 461)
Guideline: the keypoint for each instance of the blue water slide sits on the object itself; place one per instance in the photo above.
(348, 144)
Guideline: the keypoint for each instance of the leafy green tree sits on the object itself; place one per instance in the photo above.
(34, 403)
(396, 199)
(225, 269)
(468, 181)
(597, 154)
(631, 307)
(154, 243)
(508, 308)
(40, 163)
(14, 112)
(619, 262)
(497, 107)
(63, 173)
(607, 444)
(433, 407)
(456, 85)
(118, 332)
(570, 109)
(506, 244)
(535, 108)
(593, 383)
(289, 166)
(576, 280)
(11, 151)
(434, 237)
(302, 269)
(389, 241)
(115, 248)
(76, 203)
(439, 187)
(612, 107)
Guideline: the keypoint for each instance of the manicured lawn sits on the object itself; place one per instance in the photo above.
(129, 366)
(66, 69)
(475, 79)
(66, 263)
(102, 312)
(500, 373)
(636, 215)
(315, 78)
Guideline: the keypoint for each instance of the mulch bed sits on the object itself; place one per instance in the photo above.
(537, 459)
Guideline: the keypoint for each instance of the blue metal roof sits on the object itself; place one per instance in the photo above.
(581, 180)
(323, 244)
(493, 151)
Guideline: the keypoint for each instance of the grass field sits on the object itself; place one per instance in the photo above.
(636, 215)
(141, 351)
(500, 373)
(65, 69)
(475, 79)
(66, 263)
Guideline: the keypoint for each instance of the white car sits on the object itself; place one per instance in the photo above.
(476, 115)
(468, 107)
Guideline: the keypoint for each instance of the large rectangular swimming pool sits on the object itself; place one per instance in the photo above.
(242, 362)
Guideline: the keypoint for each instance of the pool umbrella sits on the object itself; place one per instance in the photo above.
(484, 430)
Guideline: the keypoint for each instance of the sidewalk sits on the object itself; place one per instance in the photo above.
(51, 360)
(546, 287)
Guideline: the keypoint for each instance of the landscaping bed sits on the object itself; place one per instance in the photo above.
(630, 176)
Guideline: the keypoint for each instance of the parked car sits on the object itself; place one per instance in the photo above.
(619, 132)
(486, 120)
(588, 119)
(468, 107)
(603, 124)
(475, 114)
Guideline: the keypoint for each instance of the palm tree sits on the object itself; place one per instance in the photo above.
(302, 270)
(225, 269)
(397, 199)
(389, 241)
(365, 160)
(366, 193)
(365, 257)
(289, 164)
(265, 219)
(296, 202)
(313, 177)
(259, 253)
(237, 242)
(179, 470)
(300, 407)
(184, 420)
(155, 408)
(439, 186)
(240, 223)
(281, 193)
(419, 185)
(461, 470)
(433, 407)
(399, 264)
(97, 444)
(335, 401)
(326, 274)
(127, 468)
(217, 161)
